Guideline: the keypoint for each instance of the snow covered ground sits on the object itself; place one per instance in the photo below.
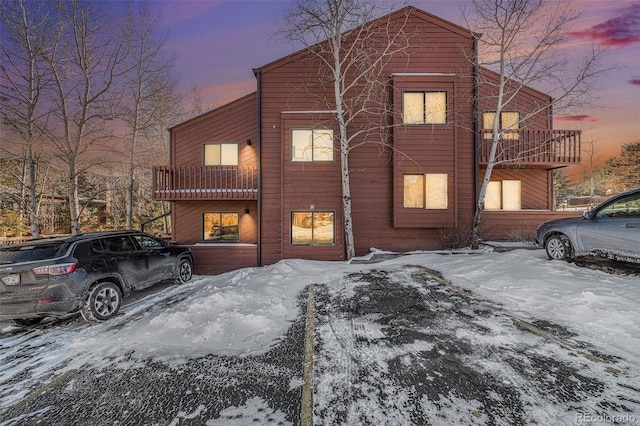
(247, 312)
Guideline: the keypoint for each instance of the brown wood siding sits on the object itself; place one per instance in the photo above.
(231, 123)
(446, 148)
(212, 259)
(528, 102)
(534, 185)
(286, 86)
(310, 186)
(507, 225)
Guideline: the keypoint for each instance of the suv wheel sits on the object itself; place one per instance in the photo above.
(103, 302)
(26, 322)
(558, 247)
(185, 271)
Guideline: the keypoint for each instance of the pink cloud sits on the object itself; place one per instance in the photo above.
(576, 118)
(635, 81)
(176, 12)
(621, 31)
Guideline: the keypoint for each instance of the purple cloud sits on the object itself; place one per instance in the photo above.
(620, 31)
(576, 118)
(635, 81)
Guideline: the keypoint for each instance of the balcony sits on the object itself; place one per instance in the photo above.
(171, 183)
(533, 148)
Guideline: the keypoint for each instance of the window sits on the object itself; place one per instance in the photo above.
(509, 124)
(311, 145)
(424, 107)
(221, 227)
(312, 228)
(493, 197)
(148, 243)
(120, 244)
(504, 195)
(414, 191)
(221, 154)
(427, 191)
(626, 208)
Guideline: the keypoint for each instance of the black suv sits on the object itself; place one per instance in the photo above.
(90, 273)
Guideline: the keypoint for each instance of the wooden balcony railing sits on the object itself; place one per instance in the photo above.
(172, 183)
(541, 148)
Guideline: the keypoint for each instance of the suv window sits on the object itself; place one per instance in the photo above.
(97, 246)
(83, 251)
(147, 242)
(120, 243)
(31, 252)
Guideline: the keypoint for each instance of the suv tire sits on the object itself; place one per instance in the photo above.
(103, 302)
(558, 247)
(185, 271)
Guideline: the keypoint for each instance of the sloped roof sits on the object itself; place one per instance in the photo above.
(398, 14)
(213, 112)
(487, 72)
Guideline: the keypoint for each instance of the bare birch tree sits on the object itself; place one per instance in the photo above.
(22, 82)
(520, 41)
(86, 56)
(352, 51)
(149, 84)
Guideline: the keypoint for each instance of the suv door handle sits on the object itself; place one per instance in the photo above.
(632, 225)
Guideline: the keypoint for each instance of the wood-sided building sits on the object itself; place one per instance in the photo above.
(258, 180)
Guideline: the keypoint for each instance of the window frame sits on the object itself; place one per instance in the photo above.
(220, 144)
(501, 193)
(424, 107)
(313, 239)
(313, 130)
(426, 194)
(510, 132)
(422, 189)
(219, 239)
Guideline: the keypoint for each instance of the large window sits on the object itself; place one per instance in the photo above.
(509, 124)
(313, 228)
(424, 107)
(221, 154)
(311, 145)
(427, 191)
(504, 195)
(220, 226)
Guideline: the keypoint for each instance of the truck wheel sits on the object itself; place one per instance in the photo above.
(103, 302)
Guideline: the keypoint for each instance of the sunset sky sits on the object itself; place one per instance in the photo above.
(217, 43)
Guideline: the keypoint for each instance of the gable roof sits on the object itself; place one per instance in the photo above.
(250, 97)
(398, 14)
(491, 74)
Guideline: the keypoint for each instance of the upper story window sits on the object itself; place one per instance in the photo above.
(220, 154)
(425, 107)
(509, 124)
(311, 145)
